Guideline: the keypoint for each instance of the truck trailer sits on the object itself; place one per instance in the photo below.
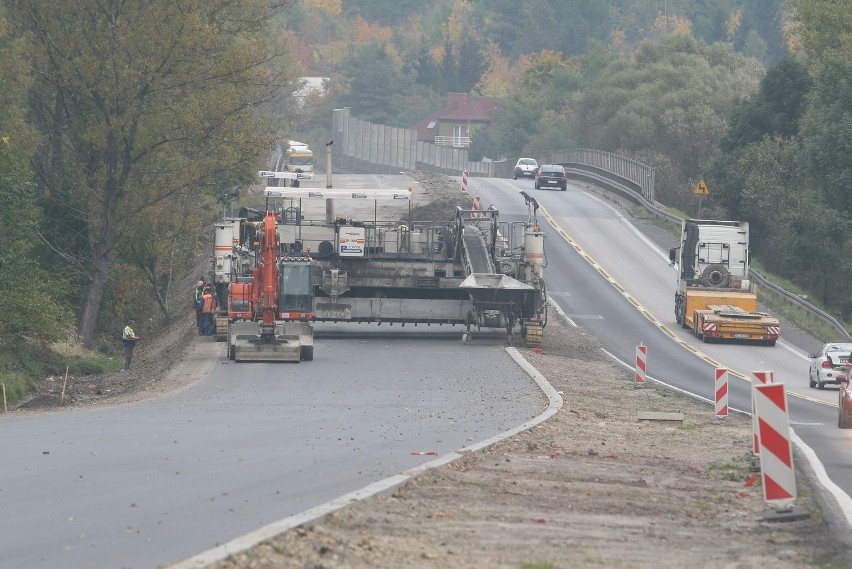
(715, 297)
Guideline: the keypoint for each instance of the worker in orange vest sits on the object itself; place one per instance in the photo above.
(207, 309)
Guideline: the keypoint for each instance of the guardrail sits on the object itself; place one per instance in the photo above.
(638, 177)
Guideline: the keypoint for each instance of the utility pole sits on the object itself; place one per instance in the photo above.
(328, 163)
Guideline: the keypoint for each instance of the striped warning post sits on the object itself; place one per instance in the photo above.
(763, 377)
(477, 207)
(641, 364)
(464, 182)
(776, 452)
(721, 392)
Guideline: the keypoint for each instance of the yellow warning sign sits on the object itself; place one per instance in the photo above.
(701, 189)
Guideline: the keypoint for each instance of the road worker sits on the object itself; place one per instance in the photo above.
(207, 309)
(198, 302)
(129, 338)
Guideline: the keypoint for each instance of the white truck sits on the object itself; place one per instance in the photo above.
(714, 296)
(299, 162)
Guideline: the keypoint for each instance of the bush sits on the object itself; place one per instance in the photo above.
(17, 385)
(38, 360)
(86, 366)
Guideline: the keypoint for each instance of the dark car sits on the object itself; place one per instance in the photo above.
(551, 176)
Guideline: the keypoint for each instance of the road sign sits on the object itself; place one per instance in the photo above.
(701, 189)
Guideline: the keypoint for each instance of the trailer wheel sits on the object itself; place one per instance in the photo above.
(680, 311)
(306, 353)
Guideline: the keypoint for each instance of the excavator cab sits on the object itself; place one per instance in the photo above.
(296, 296)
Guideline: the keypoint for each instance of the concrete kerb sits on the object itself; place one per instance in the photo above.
(385, 487)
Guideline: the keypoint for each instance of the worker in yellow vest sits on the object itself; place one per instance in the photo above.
(129, 338)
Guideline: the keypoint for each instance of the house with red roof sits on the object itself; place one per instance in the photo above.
(456, 123)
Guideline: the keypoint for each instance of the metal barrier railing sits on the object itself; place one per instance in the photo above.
(626, 171)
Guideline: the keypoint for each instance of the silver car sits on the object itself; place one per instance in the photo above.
(525, 167)
(828, 365)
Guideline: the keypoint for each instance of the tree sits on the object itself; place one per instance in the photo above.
(32, 296)
(130, 95)
(827, 131)
(546, 86)
(823, 25)
(774, 110)
(672, 99)
(761, 30)
(826, 31)
(374, 78)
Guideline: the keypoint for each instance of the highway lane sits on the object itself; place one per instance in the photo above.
(586, 229)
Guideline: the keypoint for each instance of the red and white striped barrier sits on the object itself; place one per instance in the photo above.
(477, 207)
(763, 377)
(721, 392)
(641, 364)
(464, 182)
(776, 452)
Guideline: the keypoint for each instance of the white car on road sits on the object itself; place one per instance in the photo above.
(828, 365)
(525, 167)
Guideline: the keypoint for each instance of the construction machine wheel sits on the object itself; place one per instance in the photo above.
(535, 334)
(306, 353)
(232, 352)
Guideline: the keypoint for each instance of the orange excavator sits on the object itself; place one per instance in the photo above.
(270, 313)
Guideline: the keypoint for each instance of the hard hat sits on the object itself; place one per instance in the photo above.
(199, 283)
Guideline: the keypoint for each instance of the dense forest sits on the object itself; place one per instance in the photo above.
(125, 122)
